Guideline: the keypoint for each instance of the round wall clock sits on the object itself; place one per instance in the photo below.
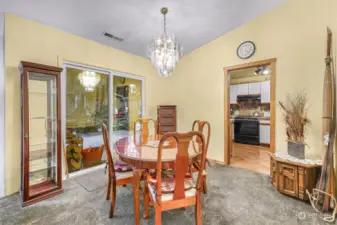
(246, 50)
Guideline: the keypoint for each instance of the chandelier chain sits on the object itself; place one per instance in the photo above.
(165, 24)
(164, 52)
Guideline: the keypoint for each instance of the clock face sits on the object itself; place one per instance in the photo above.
(246, 50)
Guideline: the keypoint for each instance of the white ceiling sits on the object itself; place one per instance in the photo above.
(193, 22)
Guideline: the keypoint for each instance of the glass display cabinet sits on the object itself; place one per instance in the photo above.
(41, 167)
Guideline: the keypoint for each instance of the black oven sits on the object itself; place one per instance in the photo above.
(247, 130)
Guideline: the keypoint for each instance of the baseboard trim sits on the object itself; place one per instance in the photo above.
(265, 145)
(216, 161)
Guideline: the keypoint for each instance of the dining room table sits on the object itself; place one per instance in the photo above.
(142, 153)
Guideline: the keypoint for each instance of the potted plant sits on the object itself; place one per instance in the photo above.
(295, 117)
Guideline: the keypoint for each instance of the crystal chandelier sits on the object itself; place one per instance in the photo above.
(89, 80)
(164, 52)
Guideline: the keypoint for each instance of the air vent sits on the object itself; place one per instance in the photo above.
(108, 35)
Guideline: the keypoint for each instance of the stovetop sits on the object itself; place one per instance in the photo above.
(254, 118)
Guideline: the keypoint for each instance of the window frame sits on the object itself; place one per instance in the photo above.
(111, 75)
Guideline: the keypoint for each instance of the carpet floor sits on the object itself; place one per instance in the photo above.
(236, 196)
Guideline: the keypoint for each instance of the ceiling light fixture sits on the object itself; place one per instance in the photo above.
(89, 80)
(164, 52)
(261, 70)
(265, 71)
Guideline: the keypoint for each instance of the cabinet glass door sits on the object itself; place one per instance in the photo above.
(42, 136)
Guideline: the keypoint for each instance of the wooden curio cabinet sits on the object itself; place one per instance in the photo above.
(41, 170)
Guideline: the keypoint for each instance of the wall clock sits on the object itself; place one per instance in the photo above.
(246, 50)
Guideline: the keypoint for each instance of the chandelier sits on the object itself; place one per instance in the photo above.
(89, 80)
(164, 52)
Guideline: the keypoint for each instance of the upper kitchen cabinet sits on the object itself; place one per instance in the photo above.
(233, 94)
(242, 89)
(254, 88)
(265, 91)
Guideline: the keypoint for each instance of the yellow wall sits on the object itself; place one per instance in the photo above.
(295, 34)
(32, 41)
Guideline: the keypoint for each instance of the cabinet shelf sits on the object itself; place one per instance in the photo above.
(40, 154)
(41, 117)
(45, 143)
(41, 93)
(42, 187)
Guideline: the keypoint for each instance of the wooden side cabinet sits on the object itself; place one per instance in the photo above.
(167, 118)
(293, 178)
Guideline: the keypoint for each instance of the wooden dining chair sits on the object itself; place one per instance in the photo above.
(144, 122)
(178, 191)
(119, 172)
(205, 128)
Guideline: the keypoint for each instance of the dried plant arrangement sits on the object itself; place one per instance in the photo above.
(295, 112)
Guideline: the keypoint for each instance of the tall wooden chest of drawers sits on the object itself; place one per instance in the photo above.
(293, 178)
(167, 118)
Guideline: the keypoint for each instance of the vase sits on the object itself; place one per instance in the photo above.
(296, 150)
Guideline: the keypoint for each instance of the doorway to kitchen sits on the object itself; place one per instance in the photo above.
(250, 115)
(90, 97)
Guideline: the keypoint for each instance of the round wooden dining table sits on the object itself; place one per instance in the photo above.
(142, 153)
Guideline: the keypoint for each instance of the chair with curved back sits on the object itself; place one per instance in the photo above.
(144, 122)
(178, 191)
(200, 126)
(119, 172)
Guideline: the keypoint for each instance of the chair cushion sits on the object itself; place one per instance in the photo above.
(122, 167)
(169, 196)
(168, 184)
(168, 181)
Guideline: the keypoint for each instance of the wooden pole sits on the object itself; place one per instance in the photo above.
(326, 182)
(327, 87)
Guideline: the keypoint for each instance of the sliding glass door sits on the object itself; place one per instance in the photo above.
(94, 97)
(127, 105)
(87, 108)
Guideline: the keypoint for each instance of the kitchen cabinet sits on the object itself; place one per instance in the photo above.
(232, 130)
(242, 89)
(254, 88)
(233, 94)
(265, 134)
(265, 91)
